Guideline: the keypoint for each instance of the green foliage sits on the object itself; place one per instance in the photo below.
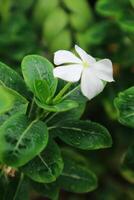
(128, 165)
(11, 79)
(17, 188)
(125, 107)
(25, 144)
(47, 166)
(83, 134)
(34, 68)
(50, 190)
(10, 103)
(21, 144)
(75, 177)
(63, 106)
(11, 99)
(105, 29)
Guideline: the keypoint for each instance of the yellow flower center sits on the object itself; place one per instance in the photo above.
(85, 64)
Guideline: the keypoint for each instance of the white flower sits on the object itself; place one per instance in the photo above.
(92, 73)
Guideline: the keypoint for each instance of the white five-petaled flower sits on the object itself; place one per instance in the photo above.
(92, 73)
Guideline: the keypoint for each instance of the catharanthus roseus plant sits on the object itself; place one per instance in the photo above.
(40, 120)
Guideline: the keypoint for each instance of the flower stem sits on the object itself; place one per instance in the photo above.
(62, 92)
(70, 92)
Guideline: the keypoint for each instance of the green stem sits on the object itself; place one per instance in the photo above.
(42, 115)
(70, 92)
(60, 94)
(19, 185)
(51, 117)
(31, 108)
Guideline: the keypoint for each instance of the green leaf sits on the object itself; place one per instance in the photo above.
(49, 30)
(76, 178)
(132, 3)
(16, 188)
(63, 106)
(60, 118)
(12, 79)
(75, 156)
(97, 33)
(42, 90)
(79, 7)
(10, 103)
(83, 134)
(47, 166)
(50, 190)
(126, 22)
(109, 8)
(79, 22)
(128, 164)
(22, 189)
(9, 99)
(43, 9)
(73, 114)
(21, 140)
(62, 41)
(124, 104)
(34, 68)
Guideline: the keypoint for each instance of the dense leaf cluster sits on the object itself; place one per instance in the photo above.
(28, 115)
(30, 121)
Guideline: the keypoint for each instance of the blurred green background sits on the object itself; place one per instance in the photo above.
(105, 29)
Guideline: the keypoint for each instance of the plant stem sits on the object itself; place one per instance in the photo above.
(31, 108)
(18, 187)
(70, 92)
(51, 117)
(60, 94)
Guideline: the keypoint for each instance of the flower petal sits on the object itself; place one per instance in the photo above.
(104, 70)
(70, 73)
(84, 56)
(90, 84)
(64, 57)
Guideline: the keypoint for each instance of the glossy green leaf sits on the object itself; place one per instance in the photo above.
(10, 99)
(34, 68)
(76, 156)
(83, 134)
(124, 104)
(42, 90)
(76, 178)
(60, 118)
(63, 106)
(47, 166)
(21, 140)
(10, 103)
(12, 79)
